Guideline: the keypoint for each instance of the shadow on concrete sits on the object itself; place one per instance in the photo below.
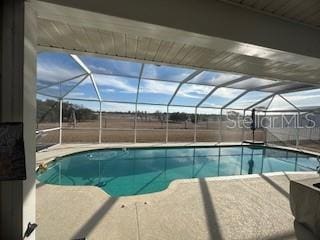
(211, 216)
(88, 226)
(148, 183)
(275, 186)
(39, 185)
(287, 176)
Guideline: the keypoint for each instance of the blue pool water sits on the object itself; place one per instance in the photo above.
(137, 171)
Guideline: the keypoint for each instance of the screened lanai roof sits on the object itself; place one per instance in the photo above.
(91, 78)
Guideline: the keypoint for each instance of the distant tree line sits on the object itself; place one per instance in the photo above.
(182, 117)
(48, 111)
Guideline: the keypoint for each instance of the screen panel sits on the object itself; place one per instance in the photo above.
(169, 73)
(110, 66)
(115, 88)
(190, 94)
(221, 97)
(53, 67)
(214, 78)
(157, 92)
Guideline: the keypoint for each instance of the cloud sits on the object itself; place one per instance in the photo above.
(117, 107)
(109, 83)
(161, 87)
(107, 90)
(214, 78)
(54, 71)
(302, 99)
(168, 88)
(111, 66)
(222, 96)
(194, 91)
(226, 77)
(227, 93)
(166, 72)
(249, 99)
(76, 94)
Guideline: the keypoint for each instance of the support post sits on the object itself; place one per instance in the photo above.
(135, 123)
(265, 132)
(220, 125)
(297, 130)
(195, 125)
(100, 122)
(167, 124)
(243, 125)
(136, 104)
(60, 120)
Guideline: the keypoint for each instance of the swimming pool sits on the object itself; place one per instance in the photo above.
(133, 171)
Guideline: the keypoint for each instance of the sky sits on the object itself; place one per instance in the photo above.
(53, 68)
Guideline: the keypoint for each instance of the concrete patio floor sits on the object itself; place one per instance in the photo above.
(241, 207)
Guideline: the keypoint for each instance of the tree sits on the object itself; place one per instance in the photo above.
(160, 116)
(178, 117)
(48, 111)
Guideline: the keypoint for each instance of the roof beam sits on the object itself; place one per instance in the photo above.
(88, 71)
(235, 99)
(220, 86)
(251, 90)
(139, 82)
(269, 104)
(289, 102)
(81, 64)
(95, 87)
(75, 86)
(187, 79)
(280, 92)
(260, 101)
(63, 81)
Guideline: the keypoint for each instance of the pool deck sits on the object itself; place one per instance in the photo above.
(238, 207)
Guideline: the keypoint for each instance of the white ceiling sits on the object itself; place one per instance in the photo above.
(100, 35)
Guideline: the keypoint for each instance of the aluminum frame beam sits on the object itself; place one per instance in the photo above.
(235, 99)
(220, 86)
(136, 103)
(63, 81)
(95, 87)
(280, 92)
(187, 79)
(88, 71)
(70, 90)
(60, 120)
(260, 101)
(269, 104)
(81, 64)
(252, 90)
(280, 95)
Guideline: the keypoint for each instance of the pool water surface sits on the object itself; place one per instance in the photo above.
(133, 171)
